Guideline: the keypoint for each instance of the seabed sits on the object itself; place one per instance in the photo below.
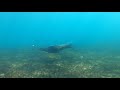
(28, 63)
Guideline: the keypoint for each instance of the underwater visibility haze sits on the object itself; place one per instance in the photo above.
(59, 44)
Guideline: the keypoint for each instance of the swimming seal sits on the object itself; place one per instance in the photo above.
(56, 48)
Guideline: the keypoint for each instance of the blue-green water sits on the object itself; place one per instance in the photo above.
(95, 37)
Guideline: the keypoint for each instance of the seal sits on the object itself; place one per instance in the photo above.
(56, 48)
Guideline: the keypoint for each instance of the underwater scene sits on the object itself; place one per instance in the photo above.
(59, 44)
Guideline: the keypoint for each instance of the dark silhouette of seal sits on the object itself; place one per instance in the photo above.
(56, 48)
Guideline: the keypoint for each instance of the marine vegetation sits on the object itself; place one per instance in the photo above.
(69, 63)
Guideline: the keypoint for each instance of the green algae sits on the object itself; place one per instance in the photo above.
(28, 63)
